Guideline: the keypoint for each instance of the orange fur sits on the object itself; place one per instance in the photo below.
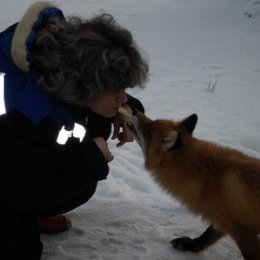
(218, 183)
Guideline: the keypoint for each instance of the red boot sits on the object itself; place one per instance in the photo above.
(55, 224)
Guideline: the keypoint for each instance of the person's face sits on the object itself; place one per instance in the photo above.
(108, 104)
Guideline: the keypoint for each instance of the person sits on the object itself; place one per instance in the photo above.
(59, 71)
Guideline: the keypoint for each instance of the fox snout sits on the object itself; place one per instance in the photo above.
(133, 126)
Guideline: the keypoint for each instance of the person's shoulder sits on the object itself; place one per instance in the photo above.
(7, 64)
(8, 30)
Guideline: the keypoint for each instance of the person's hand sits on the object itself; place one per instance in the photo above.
(103, 146)
(121, 132)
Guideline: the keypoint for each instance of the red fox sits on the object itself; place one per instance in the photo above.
(220, 184)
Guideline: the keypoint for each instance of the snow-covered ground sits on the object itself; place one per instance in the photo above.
(204, 58)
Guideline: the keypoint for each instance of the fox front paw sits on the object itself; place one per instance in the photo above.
(185, 244)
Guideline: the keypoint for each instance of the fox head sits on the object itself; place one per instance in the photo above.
(161, 135)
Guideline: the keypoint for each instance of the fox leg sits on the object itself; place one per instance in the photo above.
(248, 243)
(209, 237)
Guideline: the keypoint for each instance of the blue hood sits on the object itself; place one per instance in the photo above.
(21, 90)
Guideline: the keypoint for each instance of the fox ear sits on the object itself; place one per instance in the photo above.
(171, 141)
(190, 122)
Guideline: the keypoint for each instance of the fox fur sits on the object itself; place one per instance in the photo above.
(220, 184)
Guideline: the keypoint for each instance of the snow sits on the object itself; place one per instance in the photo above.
(204, 58)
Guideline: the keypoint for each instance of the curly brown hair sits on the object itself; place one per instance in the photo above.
(81, 60)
